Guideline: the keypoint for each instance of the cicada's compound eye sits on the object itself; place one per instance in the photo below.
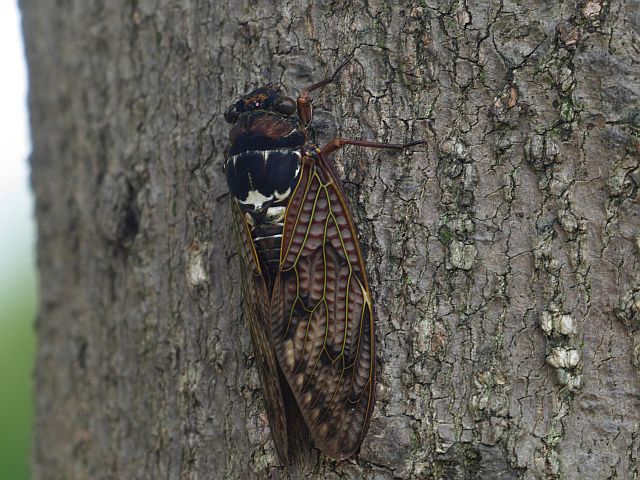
(231, 115)
(285, 105)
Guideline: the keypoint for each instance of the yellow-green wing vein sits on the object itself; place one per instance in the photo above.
(322, 316)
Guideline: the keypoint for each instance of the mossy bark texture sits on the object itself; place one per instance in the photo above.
(504, 256)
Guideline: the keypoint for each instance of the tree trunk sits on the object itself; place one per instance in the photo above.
(503, 257)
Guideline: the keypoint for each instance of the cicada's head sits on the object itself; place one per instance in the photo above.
(266, 98)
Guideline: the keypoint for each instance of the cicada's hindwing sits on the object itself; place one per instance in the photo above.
(322, 323)
(256, 307)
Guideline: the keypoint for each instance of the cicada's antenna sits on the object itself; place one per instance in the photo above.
(267, 73)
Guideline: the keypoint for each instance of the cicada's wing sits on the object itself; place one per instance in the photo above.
(256, 307)
(322, 313)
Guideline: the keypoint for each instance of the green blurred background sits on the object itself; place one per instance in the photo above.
(17, 275)
(17, 347)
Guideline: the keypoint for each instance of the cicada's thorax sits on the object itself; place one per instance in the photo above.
(262, 166)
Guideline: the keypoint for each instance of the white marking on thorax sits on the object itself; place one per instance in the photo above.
(282, 196)
(279, 235)
(249, 218)
(275, 214)
(255, 198)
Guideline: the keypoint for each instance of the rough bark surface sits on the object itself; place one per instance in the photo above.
(504, 256)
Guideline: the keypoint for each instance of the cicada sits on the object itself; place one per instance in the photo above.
(306, 297)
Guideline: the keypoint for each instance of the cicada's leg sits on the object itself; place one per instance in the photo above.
(338, 143)
(304, 102)
(222, 196)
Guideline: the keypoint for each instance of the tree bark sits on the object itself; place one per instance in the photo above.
(504, 257)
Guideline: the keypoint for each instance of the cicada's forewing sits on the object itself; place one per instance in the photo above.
(322, 314)
(256, 307)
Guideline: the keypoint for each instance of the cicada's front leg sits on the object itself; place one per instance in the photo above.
(305, 112)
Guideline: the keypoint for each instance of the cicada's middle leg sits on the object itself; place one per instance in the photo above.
(338, 143)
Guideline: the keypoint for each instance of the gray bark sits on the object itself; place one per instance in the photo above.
(504, 256)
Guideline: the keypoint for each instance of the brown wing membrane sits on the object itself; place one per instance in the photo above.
(322, 321)
(257, 311)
